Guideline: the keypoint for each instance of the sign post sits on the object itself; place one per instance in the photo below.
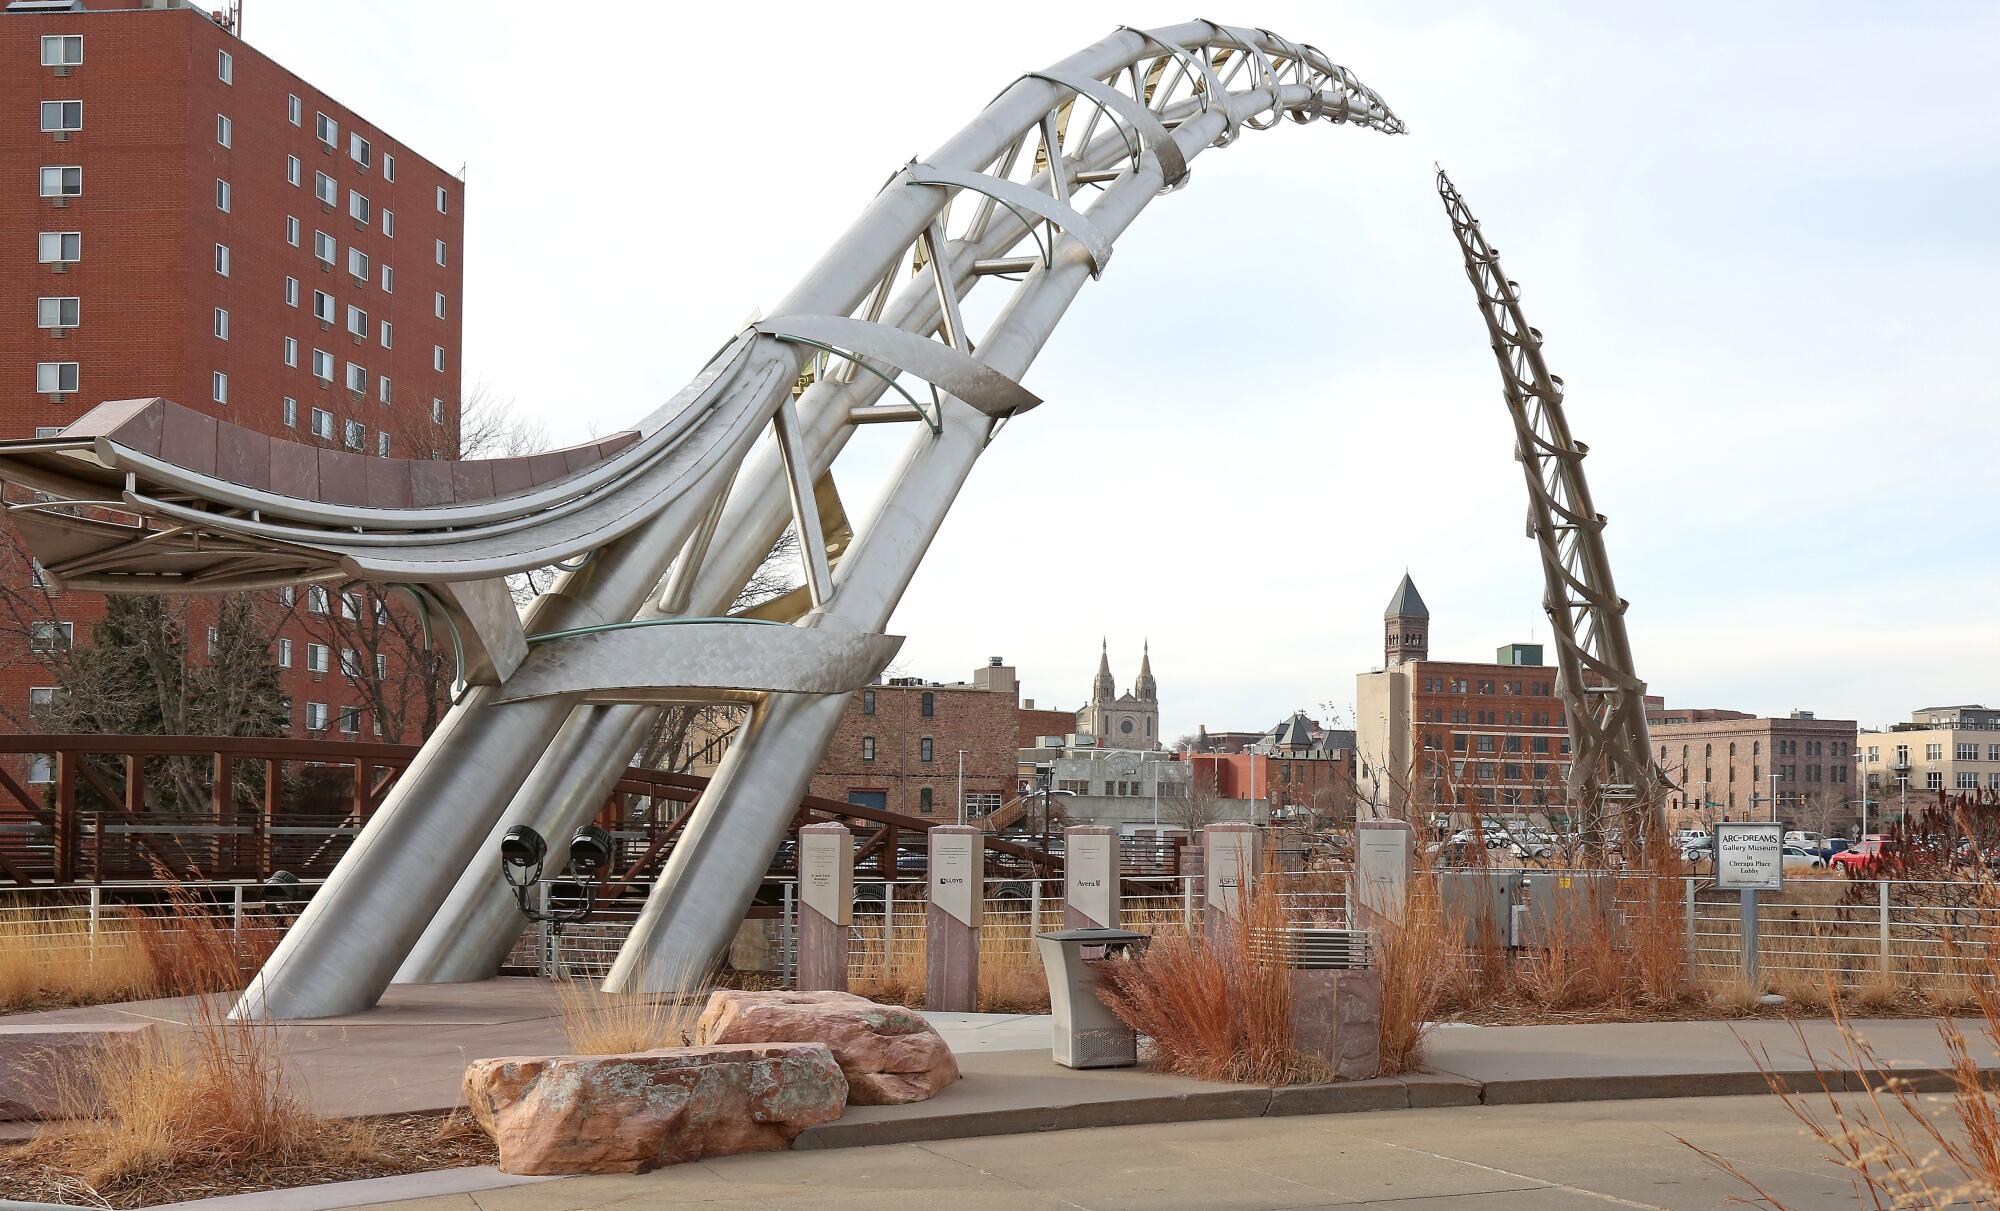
(1229, 862)
(826, 906)
(952, 918)
(1749, 858)
(1090, 878)
(1381, 881)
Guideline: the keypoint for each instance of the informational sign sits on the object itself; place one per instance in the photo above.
(826, 872)
(1231, 864)
(1089, 877)
(1750, 856)
(957, 869)
(1382, 869)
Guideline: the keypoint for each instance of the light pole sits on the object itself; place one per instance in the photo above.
(1863, 755)
(961, 786)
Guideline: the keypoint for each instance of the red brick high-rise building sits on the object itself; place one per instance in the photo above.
(181, 216)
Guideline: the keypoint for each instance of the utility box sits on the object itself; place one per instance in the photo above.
(1565, 904)
(1087, 1033)
(1483, 900)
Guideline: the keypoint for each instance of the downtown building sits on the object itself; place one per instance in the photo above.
(181, 216)
(1730, 765)
(1442, 736)
(1947, 750)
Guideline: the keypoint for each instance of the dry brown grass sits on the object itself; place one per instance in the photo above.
(891, 973)
(1900, 1150)
(1011, 979)
(215, 1094)
(1211, 1011)
(610, 1023)
(51, 960)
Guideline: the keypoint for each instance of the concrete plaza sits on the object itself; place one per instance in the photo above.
(1564, 1157)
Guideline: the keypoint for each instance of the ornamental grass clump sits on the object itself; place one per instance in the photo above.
(1213, 1010)
(597, 1022)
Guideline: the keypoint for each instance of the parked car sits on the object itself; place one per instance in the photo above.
(1865, 855)
(1806, 840)
(1528, 845)
(1688, 838)
(1800, 857)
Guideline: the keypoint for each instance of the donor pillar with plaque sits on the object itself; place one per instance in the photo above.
(826, 906)
(1090, 877)
(1380, 884)
(1230, 854)
(951, 919)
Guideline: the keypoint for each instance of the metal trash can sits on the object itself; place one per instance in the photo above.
(1087, 1033)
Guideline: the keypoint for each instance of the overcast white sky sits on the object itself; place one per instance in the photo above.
(1759, 240)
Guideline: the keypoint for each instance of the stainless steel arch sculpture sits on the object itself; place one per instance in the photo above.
(1612, 772)
(693, 497)
(657, 530)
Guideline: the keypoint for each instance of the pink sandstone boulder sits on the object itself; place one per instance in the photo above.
(631, 1113)
(890, 1054)
(42, 1065)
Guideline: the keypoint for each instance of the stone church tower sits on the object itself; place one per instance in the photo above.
(1130, 720)
(1406, 626)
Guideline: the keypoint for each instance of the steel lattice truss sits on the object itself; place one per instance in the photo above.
(658, 530)
(1612, 771)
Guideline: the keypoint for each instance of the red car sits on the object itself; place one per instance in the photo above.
(1864, 855)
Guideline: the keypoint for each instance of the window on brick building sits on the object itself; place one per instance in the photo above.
(324, 247)
(63, 248)
(46, 636)
(868, 748)
(440, 252)
(325, 188)
(357, 265)
(322, 426)
(224, 130)
(382, 388)
(225, 67)
(291, 292)
(926, 802)
(924, 749)
(292, 109)
(222, 260)
(284, 653)
(357, 380)
(221, 324)
(289, 410)
(222, 195)
(291, 351)
(359, 148)
(437, 304)
(323, 308)
(389, 224)
(927, 705)
(382, 441)
(62, 50)
(357, 206)
(323, 365)
(57, 378)
(315, 716)
(62, 115)
(388, 334)
(219, 387)
(388, 280)
(59, 312)
(440, 201)
(62, 181)
(437, 418)
(388, 166)
(357, 435)
(292, 230)
(327, 129)
(357, 321)
(437, 358)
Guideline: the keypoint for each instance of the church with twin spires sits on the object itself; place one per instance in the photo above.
(1129, 720)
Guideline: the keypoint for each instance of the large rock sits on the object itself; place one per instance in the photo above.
(631, 1113)
(1337, 1016)
(40, 1064)
(890, 1054)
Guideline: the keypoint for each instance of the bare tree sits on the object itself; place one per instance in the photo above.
(1194, 806)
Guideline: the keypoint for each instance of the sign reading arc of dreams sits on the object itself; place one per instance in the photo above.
(657, 529)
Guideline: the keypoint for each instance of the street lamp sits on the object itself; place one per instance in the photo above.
(961, 787)
(1862, 754)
